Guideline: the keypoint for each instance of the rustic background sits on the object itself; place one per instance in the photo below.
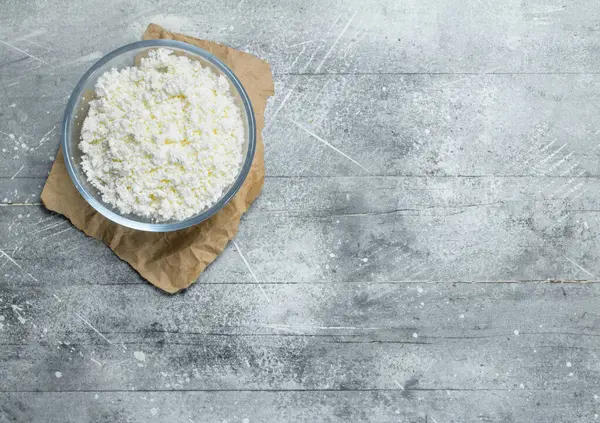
(424, 250)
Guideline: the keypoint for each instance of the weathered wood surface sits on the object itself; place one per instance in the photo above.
(424, 250)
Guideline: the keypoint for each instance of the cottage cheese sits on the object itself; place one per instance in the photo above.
(162, 140)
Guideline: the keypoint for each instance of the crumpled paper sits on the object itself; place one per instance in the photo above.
(172, 261)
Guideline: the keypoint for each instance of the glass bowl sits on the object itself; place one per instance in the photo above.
(78, 106)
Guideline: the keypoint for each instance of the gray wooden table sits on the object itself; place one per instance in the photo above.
(425, 248)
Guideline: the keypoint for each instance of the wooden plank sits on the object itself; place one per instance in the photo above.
(323, 229)
(349, 195)
(497, 309)
(436, 125)
(336, 336)
(298, 363)
(425, 125)
(412, 406)
(385, 36)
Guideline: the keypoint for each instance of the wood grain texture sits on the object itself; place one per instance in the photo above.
(299, 406)
(424, 249)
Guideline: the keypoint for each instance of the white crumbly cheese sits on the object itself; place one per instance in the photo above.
(162, 140)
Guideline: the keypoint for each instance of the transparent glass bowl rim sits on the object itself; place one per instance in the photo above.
(168, 226)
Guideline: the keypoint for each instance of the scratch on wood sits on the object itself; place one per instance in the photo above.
(93, 328)
(16, 309)
(581, 268)
(552, 154)
(12, 224)
(96, 361)
(24, 52)
(308, 42)
(327, 144)
(48, 227)
(16, 264)
(46, 136)
(320, 46)
(18, 171)
(71, 249)
(250, 269)
(55, 233)
(335, 42)
(569, 169)
(285, 99)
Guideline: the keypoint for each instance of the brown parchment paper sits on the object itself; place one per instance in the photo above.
(173, 261)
